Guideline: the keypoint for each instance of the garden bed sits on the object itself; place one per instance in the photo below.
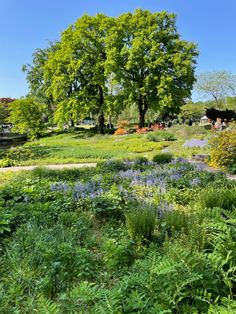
(124, 237)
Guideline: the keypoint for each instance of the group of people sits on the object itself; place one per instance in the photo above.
(220, 124)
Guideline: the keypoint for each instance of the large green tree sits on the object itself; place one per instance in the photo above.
(77, 70)
(153, 65)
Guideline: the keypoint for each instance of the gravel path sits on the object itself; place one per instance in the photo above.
(65, 166)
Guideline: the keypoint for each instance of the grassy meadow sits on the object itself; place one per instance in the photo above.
(83, 146)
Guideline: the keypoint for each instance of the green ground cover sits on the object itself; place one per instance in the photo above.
(84, 146)
(124, 237)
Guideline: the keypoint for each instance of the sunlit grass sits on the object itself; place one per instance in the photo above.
(80, 148)
(84, 146)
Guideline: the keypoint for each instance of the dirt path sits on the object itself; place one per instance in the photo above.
(65, 166)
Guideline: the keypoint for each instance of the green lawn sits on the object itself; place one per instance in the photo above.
(77, 148)
(87, 147)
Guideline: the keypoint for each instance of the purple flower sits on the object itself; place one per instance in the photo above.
(129, 174)
(195, 143)
(59, 187)
(195, 182)
(91, 189)
(164, 207)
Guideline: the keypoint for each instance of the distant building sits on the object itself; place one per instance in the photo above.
(204, 119)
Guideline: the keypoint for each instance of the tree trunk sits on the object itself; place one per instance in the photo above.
(109, 121)
(101, 119)
(142, 108)
(101, 123)
(71, 123)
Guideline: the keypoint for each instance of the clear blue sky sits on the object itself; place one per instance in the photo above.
(29, 24)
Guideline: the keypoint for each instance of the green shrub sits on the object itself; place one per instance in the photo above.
(140, 163)
(160, 136)
(223, 198)
(141, 223)
(174, 222)
(140, 160)
(20, 153)
(6, 162)
(223, 148)
(162, 158)
(118, 253)
(109, 205)
(112, 165)
(232, 168)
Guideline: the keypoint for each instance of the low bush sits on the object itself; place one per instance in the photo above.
(232, 168)
(112, 165)
(118, 253)
(120, 131)
(6, 162)
(162, 158)
(174, 222)
(140, 161)
(160, 136)
(223, 148)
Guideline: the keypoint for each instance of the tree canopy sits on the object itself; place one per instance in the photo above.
(151, 62)
(102, 64)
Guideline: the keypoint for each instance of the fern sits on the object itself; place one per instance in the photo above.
(45, 306)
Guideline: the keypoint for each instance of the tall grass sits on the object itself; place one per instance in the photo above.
(222, 197)
(141, 223)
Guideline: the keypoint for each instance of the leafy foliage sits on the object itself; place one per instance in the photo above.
(27, 116)
(162, 158)
(159, 136)
(223, 198)
(141, 223)
(111, 240)
(223, 148)
(149, 60)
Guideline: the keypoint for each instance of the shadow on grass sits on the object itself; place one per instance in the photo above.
(80, 133)
(43, 151)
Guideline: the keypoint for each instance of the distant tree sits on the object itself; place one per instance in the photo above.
(26, 115)
(150, 61)
(193, 110)
(230, 103)
(216, 85)
(4, 108)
